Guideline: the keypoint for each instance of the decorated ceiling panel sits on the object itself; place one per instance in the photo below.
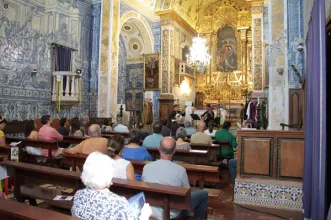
(188, 9)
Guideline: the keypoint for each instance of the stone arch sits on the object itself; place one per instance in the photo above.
(143, 27)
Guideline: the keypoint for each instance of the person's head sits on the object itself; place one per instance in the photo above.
(120, 121)
(46, 120)
(29, 127)
(187, 124)
(63, 122)
(226, 125)
(75, 124)
(208, 107)
(115, 145)
(94, 131)
(181, 133)
(106, 122)
(167, 148)
(86, 120)
(98, 171)
(3, 123)
(176, 108)
(134, 136)
(164, 122)
(211, 126)
(157, 128)
(201, 127)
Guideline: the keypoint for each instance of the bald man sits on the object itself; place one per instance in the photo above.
(164, 171)
(200, 137)
(92, 144)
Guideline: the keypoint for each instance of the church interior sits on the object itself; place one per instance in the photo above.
(257, 66)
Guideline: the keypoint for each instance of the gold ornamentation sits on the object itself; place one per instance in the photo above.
(224, 87)
(165, 57)
(258, 54)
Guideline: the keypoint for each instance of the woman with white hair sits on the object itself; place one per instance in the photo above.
(96, 201)
(180, 143)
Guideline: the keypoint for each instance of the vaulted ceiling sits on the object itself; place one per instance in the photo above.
(188, 9)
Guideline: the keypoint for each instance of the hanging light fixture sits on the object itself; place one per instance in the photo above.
(198, 55)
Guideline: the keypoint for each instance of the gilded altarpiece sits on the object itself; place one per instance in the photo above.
(224, 80)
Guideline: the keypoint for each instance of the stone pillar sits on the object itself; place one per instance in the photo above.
(257, 33)
(243, 39)
(278, 88)
(108, 76)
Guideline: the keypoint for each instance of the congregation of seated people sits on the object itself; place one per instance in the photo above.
(111, 159)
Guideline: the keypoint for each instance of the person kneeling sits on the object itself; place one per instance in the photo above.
(164, 171)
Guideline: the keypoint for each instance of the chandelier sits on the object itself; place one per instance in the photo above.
(198, 55)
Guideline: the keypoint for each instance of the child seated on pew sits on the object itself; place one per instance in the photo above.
(96, 201)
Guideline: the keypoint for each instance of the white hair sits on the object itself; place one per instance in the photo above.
(98, 171)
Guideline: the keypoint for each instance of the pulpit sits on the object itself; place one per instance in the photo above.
(166, 105)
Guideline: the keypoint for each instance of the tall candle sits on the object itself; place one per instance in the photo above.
(121, 101)
(258, 100)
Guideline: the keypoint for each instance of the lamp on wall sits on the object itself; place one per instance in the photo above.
(78, 71)
(280, 71)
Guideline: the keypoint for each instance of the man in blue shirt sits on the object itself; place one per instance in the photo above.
(153, 141)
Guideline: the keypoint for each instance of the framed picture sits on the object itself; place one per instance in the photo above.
(134, 99)
(151, 71)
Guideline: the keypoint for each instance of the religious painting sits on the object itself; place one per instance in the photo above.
(151, 71)
(226, 54)
(134, 99)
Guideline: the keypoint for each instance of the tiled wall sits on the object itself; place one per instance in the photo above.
(26, 32)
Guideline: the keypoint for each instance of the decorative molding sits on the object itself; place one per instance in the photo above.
(172, 15)
(142, 9)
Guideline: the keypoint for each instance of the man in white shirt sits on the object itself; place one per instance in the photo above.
(120, 128)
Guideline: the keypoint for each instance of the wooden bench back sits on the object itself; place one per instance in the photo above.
(224, 145)
(10, 209)
(156, 194)
(56, 123)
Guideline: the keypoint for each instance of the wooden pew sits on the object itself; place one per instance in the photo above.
(73, 139)
(10, 209)
(182, 155)
(198, 173)
(49, 145)
(189, 140)
(213, 150)
(109, 134)
(29, 177)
